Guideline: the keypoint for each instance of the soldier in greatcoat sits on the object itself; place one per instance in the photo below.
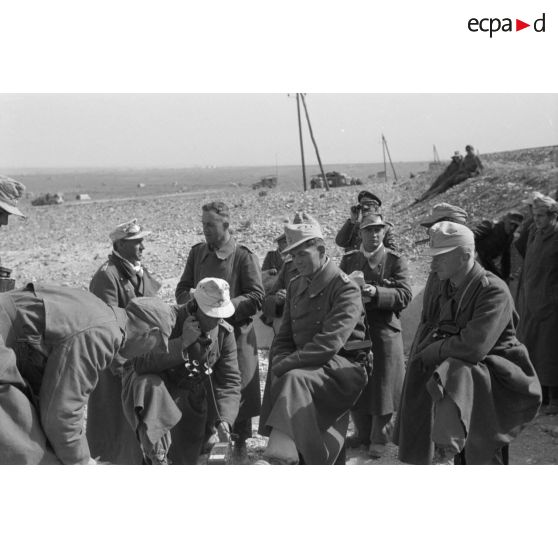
(222, 257)
(54, 344)
(120, 279)
(470, 384)
(171, 398)
(385, 285)
(539, 306)
(314, 377)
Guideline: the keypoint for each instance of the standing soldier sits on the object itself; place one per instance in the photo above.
(348, 236)
(493, 243)
(385, 285)
(120, 279)
(539, 319)
(220, 256)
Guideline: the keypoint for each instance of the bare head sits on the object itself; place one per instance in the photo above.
(215, 222)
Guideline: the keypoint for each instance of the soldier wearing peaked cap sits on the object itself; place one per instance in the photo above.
(470, 384)
(383, 277)
(348, 236)
(54, 344)
(222, 257)
(313, 379)
(171, 399)
(121, 279)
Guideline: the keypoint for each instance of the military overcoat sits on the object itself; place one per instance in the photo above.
(237, 265)
(110, 435)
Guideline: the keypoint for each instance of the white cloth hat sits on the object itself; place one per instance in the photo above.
(447, 236)
(128, 231)
(213, 297)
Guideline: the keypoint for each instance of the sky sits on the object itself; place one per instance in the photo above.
(183, 130)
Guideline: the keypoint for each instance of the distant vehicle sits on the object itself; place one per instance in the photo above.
(265, 182)
(83, 197)
(335, 180)
(49, 199)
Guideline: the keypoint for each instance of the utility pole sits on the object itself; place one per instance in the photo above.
(301, 142)
(384, 142)
(436, 156)
(326, 185)
(384, 157)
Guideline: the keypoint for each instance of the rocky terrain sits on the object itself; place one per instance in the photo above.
(65, 244)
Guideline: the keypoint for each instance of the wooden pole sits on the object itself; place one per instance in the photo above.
(326, 185)
(384, 156)
(389, 157)
(301, 142)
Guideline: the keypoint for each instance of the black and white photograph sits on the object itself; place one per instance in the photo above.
(200, 266)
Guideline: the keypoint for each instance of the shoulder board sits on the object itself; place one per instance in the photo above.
(295, 278)
(393, 253)
(485, 281)
(351, 253)
(104, 267)
(344, 277)
(199, 244)
(225, 325)
(245, 248)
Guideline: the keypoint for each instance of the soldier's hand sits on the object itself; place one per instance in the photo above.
(281, 294)
(355, 212)
(190, 331)
(272, 271)
(224, 431)
(368, 290)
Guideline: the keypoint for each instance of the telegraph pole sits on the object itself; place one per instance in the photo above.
(301, 142)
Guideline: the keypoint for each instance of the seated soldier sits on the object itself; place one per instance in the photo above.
(313, 379)
(179, 401)
(385, 284)
(470, 384)
(348, 236)
(54, 343)
(274, 259)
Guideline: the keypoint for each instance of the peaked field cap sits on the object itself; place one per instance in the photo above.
(445, 211)
(213, 297)
(515, 217)
(531, 197)
(10, 192)
(155, 312)
(372, 220)
(545, 202)
(300, 233)
(366, 194)
(447, 236)
(128, 231)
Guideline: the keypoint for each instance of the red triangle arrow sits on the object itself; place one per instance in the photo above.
(519, 25)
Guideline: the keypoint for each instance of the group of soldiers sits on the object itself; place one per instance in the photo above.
(116, 375)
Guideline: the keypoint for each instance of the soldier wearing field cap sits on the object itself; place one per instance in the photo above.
(54, 345)
(121, 279)
(539, 302)
(384, 280)
(172, 400)
(470, 387)
(314, 378)
(348, 236)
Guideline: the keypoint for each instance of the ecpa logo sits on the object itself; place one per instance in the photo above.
(493, 25)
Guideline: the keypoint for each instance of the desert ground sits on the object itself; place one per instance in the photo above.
(65, 244)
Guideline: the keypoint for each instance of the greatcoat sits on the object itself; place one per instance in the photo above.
(54, 343)
(311, 386)
(478, 363)
(237, 265)
(538, 324)
(390, 275)
(109, 434)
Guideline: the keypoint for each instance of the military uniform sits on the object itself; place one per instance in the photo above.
(478, 364)
(539, 305)
(54, 342)
(349, 237)
(493, 242)
(387, 270)
(109, 433)
(272, 307)
(161, 400)
(311, 386)
(237, 265)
